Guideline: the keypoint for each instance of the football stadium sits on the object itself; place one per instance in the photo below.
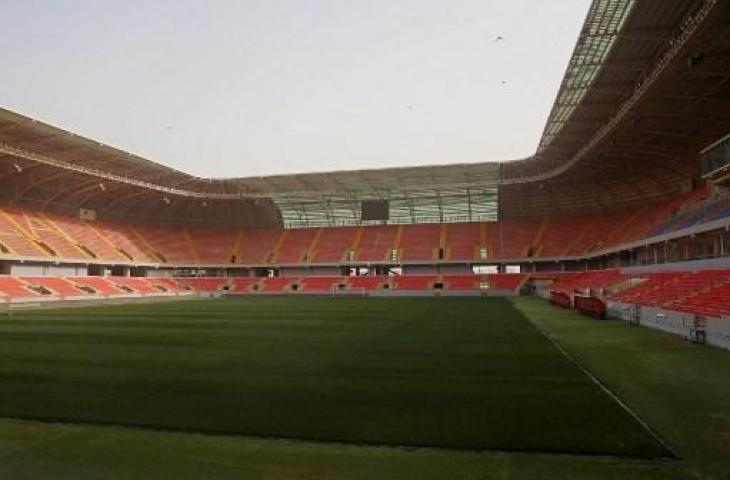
(565, 315)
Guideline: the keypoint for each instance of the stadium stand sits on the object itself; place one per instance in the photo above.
(712, 301)
(59, 286)
(507, 281)
(168, 245)
(462, 282)
(14, 288)
(255, 246)
(136, 285)
(215, 246)
(99, 285)
(124, 242)
(30, 234)
(702, 292)
(278, 284)
(40, 231)
(295, 246)
(671, 289)
(203, 284)
(370, 283)
(167, 285)
(463, 241)
(87, 238)
(559, 236)
(590, 281)
(377, 243)
(515, 238)
(334, 244)
(15, 241)
(415, 282)
(239, 284)
(699, 292)
(325, 284)
(420, 242)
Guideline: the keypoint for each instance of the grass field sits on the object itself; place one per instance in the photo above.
(288, 376)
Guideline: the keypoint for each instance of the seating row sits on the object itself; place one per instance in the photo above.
(12, 287)
(26, 233)
(703, 292)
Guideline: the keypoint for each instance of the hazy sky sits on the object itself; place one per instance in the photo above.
(254, 87)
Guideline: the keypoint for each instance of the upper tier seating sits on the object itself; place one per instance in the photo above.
(564, 237)
(13, 240)
(515, 238)
(463, 241)
(32, 234)
(256, 246)
(334, 243)
(377, 243)
(689, 210)
(213, 246)
(87, 238)
(295, 247)
(125, 241)
(44, 233)
(420, 242)
(171, 245)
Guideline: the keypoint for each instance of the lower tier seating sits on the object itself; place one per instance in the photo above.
(56, 285)
(703, 292)
(672, 290)
(12, 288)
(589, 282)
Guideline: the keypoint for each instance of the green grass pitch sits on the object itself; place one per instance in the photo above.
(452, 373)
(352, 388)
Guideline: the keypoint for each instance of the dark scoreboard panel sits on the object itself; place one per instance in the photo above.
(374, 210)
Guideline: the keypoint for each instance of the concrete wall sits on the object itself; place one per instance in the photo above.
(678, 323)
(454, 269)
(309, 271)
(419, 270)
(706, 264)
(36, 270)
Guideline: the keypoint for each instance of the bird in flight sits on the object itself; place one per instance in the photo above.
(499, 39)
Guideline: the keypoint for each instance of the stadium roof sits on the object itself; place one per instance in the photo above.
(602, 27)
(453, 193)
(645, 90)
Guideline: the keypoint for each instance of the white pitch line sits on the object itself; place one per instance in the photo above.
(600, 384)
